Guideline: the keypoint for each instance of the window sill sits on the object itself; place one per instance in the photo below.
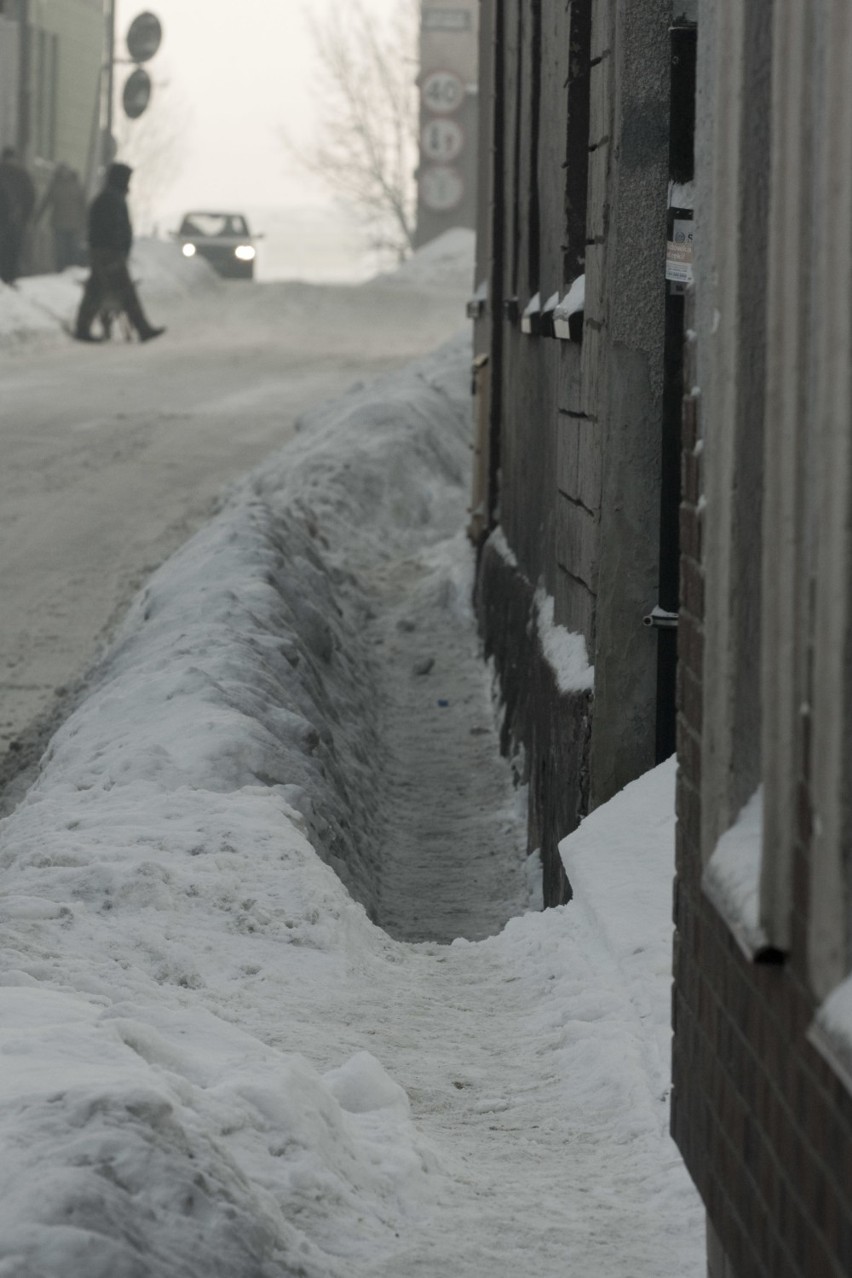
(731, 882)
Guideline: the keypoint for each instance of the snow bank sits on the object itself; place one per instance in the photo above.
(438, 263)
(162, 887)
(40, 306)
(213, 1063)
(620, 863)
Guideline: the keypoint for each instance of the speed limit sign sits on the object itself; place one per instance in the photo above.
(442, 140)
(443, 92)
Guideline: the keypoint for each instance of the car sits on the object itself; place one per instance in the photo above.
(223, 239)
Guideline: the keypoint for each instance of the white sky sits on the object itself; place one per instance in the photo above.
(238, 71)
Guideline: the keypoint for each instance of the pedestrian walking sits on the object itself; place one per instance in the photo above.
(65, 200)
(17, 196)
(110, 241)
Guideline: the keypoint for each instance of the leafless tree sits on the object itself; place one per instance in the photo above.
(366, 145)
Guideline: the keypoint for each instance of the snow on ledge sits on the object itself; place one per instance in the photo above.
(831, 1032)
(498, 542)
(565, 651)
(732, 876)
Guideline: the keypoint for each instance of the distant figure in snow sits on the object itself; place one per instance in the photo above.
(110, 240)
(66, 200)
(17, 197)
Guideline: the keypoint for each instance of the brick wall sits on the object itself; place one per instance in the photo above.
(763, 1123)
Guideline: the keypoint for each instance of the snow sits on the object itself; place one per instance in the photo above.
(564, 650)
(831, 1032)
(437, 263)
(236, 1039)
(619, 863)
(39, 305)
(732, 875)
(574, 300)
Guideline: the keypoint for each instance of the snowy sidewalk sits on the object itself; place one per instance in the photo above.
(211, 1061)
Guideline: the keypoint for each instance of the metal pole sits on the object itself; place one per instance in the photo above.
(24, 137)
(106, 140)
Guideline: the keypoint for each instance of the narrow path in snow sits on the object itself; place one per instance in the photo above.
(453, 858)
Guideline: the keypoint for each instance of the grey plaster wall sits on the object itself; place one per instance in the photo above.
(623, 372)
(580, 425)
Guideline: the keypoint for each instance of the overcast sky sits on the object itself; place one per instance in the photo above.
(238, 72)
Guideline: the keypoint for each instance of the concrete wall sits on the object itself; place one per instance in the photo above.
(9, 52)
(623, 374)
(577, 182)
(78, 27)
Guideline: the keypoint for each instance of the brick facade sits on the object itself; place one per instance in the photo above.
(762, 1120)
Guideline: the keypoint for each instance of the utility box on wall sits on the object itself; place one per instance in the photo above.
(446, 175)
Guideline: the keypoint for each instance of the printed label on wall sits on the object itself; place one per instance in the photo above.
(679, 253)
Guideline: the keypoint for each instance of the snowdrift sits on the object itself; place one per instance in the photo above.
(165, 865)
(41, 306)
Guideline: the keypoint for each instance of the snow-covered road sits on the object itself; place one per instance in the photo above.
(113, 455)
(234, 1041)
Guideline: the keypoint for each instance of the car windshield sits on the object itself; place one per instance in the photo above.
(214, 225)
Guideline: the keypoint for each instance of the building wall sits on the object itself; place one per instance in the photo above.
(74, 29)
(577, 185)
(9, 53)
(762, 1063)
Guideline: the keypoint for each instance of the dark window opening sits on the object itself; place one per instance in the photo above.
(534, 208)
(681, 171)
(577, 141)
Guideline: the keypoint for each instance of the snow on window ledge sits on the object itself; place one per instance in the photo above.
(572, 304)
(731, 879)
(831, 1032)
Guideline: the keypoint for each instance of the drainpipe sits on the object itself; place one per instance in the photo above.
(24, 138)
(497, 266)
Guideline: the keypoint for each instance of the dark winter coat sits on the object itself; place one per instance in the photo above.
(109, 220)
(66, 200)
(19, 191)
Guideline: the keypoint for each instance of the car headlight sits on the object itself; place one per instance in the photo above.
(188, 250)
(245, 252)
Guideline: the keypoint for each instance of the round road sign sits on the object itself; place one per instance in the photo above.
(442, 188)
(442, 140)
(137, 93)
(442, 92)
(144, 37)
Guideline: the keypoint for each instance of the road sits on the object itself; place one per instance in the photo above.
(114, 455)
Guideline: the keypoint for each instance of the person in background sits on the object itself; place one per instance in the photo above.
(66, 200)
(17, 193)
(110, 240)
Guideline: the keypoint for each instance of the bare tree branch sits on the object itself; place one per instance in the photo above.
(366, 144)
